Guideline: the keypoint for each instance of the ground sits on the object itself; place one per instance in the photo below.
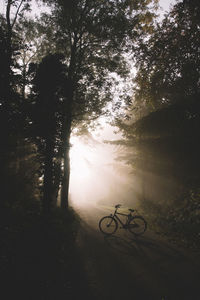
(123, 266)
(56, 258)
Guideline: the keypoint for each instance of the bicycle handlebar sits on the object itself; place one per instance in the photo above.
(117, 206)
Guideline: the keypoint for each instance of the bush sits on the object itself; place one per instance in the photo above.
(180, 220)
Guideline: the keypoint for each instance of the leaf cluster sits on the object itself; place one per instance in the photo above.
(169, 61)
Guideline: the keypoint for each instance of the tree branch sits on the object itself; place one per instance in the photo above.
(8, 15)
(17, 12)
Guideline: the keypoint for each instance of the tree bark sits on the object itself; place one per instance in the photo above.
(67, 124)
(9, 45)
(66, 159)
(66, 176)
(48, 179)
(57, 179)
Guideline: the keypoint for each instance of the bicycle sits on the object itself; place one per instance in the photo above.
(136, 224)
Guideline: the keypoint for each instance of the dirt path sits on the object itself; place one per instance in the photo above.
(123, 267)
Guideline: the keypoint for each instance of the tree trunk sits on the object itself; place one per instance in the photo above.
(66, 177)
(142, 169)
(57, 179)
(9, 48)
(66, 133)
(48, 179)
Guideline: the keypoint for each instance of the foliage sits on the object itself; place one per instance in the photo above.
(10, 101)
(94, 37)
(177, 221)
(46, 121)
(56, 75)
(19, 166)
(19, 173)
(161, 140)
(168, 61)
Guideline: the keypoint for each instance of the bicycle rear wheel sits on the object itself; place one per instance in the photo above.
(108, 225)
(137, 225)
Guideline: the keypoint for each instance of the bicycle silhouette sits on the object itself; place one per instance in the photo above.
(134, 223)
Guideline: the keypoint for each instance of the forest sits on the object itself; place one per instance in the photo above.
(59, 70)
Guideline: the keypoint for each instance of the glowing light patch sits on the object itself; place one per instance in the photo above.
(82, 158)
(84, 166)
(96, 177)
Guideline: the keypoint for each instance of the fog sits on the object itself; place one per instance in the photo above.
(97, 174)
(100, 176)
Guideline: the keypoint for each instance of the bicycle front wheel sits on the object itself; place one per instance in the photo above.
(108, 225)
(137, 225)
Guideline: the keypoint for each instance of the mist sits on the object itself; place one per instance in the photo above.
(98, 176)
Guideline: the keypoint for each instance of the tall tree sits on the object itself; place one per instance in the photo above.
(94, 37)
(163, 136)
(37, 42)
(46, 122)
(169, 61)
(13, 10)
(9, 97)
(16, 152)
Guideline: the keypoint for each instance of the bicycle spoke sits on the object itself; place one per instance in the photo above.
(137, 225)
(108, 225)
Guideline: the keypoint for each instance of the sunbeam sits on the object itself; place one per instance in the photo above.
(96, 175)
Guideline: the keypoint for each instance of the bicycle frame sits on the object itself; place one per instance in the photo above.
(136, 224)
(119, 220)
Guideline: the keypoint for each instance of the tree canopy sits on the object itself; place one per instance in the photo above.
(58, 73)
(168, 61)
(161, 136)
(94, 37)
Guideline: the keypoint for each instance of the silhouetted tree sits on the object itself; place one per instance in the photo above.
(94, 37)
(169, 61)
(46, 122)
(12, 118)
(162, 139)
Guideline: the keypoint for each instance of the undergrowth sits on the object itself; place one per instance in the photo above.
(178, 220)
(38, 255)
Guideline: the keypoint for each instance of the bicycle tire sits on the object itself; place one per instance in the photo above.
(137, 225)
(108, 225)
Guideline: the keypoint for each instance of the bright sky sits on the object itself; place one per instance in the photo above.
(165, 4)
(36, 9)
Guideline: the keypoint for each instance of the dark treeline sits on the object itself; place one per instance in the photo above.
(165, 132)
(54, 78)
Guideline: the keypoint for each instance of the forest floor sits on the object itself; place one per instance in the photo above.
(144, 268)
(58, 258)
(38, 256)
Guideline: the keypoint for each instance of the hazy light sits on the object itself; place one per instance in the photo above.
(82, 157)
(87, 165)
(96, 175)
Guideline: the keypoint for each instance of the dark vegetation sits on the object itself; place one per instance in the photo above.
(163, 140)
(54, 78)
(38, 256)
